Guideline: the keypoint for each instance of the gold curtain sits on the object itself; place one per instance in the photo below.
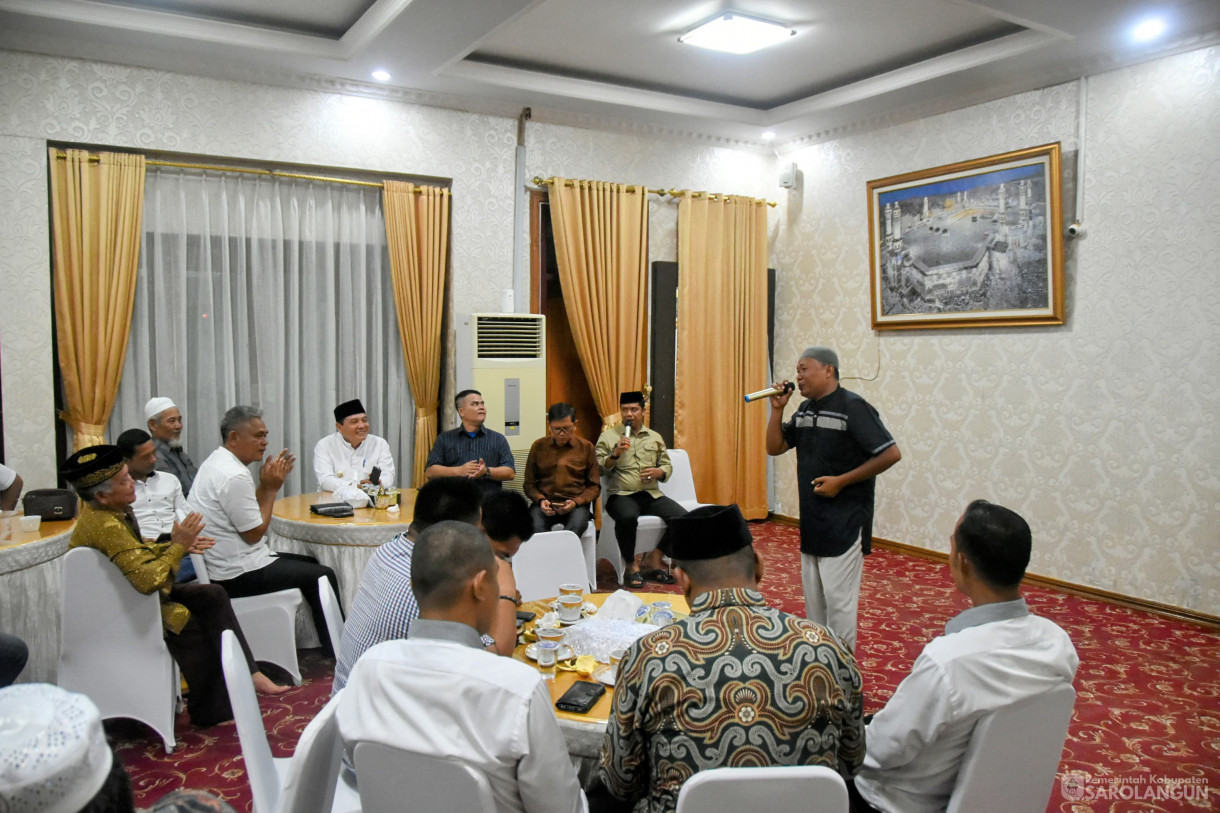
(722, 348)
(601, 244)
(417, 233)
(97, 206)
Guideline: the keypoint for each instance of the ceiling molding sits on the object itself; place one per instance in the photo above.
(426, 45)
(934, 68)
(591, 121)
(166, 24)
(608, 93)
(371, 24)
(604, 92)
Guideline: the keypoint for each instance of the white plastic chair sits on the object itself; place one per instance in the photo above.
(781, 789)
(1013, 756)
(679, 487)
(397, 781)
(588, 547)
(547, 560)
(309, 780)
(331, 611)
(113, 646)
(313, 783)
(268, 622)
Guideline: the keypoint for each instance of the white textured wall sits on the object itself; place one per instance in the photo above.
(1102, 433)
(54, 99)
(44, 98)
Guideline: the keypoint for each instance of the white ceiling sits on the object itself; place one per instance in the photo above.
(617, 63)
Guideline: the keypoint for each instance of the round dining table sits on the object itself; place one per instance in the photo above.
(344, 544)
(584, 733)
(31, 590)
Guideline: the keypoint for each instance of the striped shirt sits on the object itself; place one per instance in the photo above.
(383, 608)
(456, 447)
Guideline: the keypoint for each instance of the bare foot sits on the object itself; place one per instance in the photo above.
(265, 685)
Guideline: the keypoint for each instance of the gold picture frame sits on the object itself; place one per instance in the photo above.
(978, 243)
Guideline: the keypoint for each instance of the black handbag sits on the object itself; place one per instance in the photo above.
(332, 509)
(49, 503)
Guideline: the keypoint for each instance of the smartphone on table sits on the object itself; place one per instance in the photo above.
(580, 697)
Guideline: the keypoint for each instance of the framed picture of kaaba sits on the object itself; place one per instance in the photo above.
(973, 244)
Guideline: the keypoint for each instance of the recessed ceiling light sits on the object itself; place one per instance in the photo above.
(768, 135)
(382, 75)
(736, 34)
(1148, 30)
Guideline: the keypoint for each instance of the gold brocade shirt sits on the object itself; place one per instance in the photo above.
(647, 451)
(149, 566)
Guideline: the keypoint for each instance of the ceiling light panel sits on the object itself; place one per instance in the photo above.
(734, 33)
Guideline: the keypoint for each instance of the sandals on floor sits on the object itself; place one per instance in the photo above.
(658, 576)
(634, 580)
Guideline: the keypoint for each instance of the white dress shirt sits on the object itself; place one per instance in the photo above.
(990, 656)
(440, 693)
(159, 502)
(336, 463)
(7, 476)
(223, 492)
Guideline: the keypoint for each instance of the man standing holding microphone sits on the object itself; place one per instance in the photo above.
(841, 446)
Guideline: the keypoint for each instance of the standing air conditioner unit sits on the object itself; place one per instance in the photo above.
(503, 356)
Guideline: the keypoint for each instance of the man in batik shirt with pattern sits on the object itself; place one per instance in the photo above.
(736, 684)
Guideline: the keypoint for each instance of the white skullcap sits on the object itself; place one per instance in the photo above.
(53, 754)
(156, 406)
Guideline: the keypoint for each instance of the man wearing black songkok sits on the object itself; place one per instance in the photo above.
(781, 689)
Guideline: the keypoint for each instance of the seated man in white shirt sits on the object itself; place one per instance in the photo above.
(345, 460)
(440, 693)
(238, 515)
(992, 655)
(10, 488)
(159, 499)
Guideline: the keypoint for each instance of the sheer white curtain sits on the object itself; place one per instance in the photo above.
(267, 291)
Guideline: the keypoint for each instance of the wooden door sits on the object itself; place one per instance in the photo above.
(565, 377)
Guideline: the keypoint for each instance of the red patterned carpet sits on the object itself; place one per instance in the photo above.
(1147, 711)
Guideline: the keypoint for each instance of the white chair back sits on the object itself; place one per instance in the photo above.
(309, 786)
(547, 560)
(396, 781)
(680, 485)
(113, 647)
(588, 546)
(268, 621)
(260, 766)
(1013, 756)
(781, 789)
(309, 782)
(201, 568)
(332, 612)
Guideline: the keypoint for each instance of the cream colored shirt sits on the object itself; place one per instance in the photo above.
(624, 475)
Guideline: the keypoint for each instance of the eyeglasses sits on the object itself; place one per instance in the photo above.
(562, 430)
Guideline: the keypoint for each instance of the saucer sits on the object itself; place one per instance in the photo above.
(562, 654)
(586, 609)
(606, 674)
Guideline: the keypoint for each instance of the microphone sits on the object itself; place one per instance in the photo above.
(627, 431)
(767, 393)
